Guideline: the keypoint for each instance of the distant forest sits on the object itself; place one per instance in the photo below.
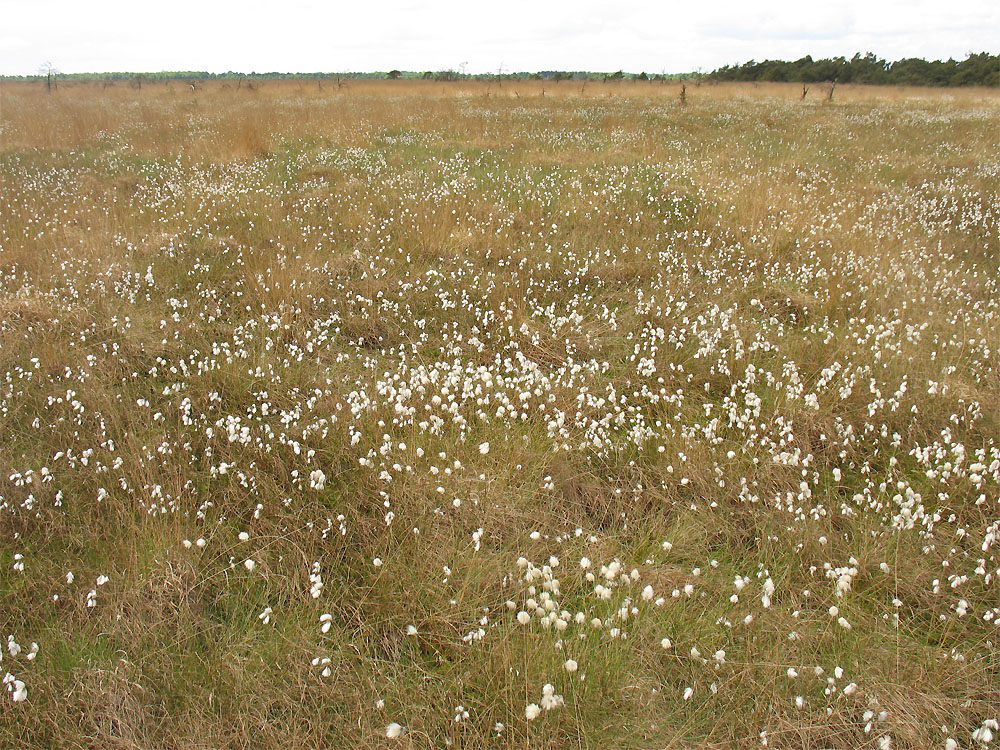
(981, 69)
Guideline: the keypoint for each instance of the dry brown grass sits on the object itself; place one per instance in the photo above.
(308, 242)
(221, 121)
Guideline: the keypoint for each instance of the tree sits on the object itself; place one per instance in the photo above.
(50, 72)
(394, 75)
(981, 69)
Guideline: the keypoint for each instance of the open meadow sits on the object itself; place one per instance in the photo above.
(410, 414)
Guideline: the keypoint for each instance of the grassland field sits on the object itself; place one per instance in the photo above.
(405, 414)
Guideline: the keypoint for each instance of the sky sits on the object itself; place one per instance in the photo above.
(514, 35)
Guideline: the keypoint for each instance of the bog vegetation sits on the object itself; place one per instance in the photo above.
(411, 414)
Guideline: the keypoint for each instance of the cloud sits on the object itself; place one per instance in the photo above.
(781, 24)
(13, 44)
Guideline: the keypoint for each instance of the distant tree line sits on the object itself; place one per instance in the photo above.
(430, 75)
(981, 69)
(191, 75)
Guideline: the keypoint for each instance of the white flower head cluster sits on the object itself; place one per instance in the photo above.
(16, 688)
(550, 700)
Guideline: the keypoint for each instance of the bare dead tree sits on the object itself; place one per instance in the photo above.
(51, 74)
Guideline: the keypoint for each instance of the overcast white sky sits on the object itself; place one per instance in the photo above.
(521, 35)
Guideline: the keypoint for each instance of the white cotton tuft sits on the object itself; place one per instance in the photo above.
(20, 692)
(768, 593)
